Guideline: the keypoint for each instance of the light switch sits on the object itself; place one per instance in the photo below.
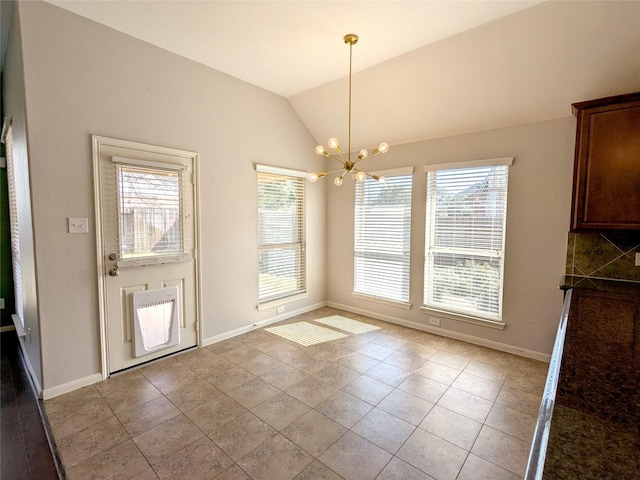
(637, 259)
(78, 225)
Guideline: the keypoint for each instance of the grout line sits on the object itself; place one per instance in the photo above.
(374, 406)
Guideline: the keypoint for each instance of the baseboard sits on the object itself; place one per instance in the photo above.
(71, 386)
(503, 347)
(260, 324)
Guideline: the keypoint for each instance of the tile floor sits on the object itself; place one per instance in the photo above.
(395, 403)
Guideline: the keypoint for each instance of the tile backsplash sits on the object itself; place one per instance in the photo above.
(603, 255)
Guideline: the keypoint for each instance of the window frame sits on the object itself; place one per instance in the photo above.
(119, 168)
(467, 315)
(406, 250)
(14, 228)
(301, 279)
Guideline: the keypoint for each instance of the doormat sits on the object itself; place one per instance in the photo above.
(305, 333)
(347, 324)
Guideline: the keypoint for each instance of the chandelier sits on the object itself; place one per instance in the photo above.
(347, 165)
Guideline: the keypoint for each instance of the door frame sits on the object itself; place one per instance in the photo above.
(97, 143)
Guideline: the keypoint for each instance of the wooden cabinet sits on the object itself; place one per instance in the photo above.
(606, 177)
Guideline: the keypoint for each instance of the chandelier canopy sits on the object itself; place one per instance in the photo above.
(347, 165)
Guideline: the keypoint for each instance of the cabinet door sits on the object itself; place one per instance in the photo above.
(607, 165)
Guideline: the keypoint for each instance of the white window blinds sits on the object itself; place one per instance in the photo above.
(382, 237)
(14, 223)
(281, 233)
(150, 210)
(465, 238)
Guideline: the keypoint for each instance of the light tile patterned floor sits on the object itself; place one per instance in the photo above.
(394, 403)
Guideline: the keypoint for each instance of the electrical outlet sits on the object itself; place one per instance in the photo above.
(280, 309)
(434, 321)
(637, 259)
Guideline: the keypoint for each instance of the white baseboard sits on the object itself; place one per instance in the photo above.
(71, 386)
(262, 323)
(503, 347)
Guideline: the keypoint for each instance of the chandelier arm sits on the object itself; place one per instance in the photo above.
(372, 175)
(340, 159)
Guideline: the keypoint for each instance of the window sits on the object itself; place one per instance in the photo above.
(149, 211)
(12, 178)
(383, 236)
(281, 233)
(465, 237)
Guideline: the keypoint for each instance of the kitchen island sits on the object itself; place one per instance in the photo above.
(589, 423)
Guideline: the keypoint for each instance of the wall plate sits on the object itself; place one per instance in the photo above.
(78, 225)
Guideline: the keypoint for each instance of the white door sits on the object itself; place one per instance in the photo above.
(146, 236)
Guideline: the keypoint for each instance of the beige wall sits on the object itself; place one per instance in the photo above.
(539, 202)
(82, 78)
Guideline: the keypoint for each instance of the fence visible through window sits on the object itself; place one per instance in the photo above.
(149, 211)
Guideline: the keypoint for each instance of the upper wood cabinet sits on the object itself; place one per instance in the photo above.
(606, 176)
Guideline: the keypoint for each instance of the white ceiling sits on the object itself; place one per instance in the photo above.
(289, 47)
(422, 69)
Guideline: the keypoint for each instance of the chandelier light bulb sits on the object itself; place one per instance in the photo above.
(382, 179)
(333, 143)
(383, 147)
(361, 176)
(320, 150)
(363, 154)
(313, 177)
(337, 181)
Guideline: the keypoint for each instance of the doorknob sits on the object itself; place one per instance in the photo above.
(114, 272)
(113, 256)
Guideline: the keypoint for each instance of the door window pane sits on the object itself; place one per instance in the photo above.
(149, 211)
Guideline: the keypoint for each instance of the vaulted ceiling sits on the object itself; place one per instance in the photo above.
(424, 69)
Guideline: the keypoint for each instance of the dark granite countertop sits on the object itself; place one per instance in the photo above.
(595, 426)
(600, 284)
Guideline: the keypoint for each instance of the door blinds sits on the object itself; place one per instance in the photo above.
(150, 202)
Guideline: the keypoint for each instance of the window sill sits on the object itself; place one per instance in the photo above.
(281, 301)
(463, 318)
(384, 301)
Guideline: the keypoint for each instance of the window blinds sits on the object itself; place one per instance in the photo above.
(15, 229)
(281, 234)
(465, 237)
(150, 210)
(382, 238)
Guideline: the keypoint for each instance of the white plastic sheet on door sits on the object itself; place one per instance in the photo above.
(155, 314)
